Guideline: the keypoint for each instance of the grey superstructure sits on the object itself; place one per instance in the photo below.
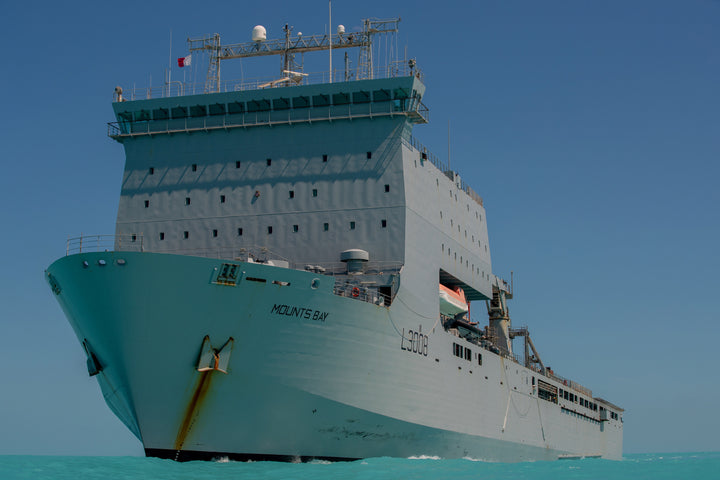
(290, 278)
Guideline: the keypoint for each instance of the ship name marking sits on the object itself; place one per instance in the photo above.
(299, 312)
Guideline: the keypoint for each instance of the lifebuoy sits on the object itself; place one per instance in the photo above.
(355, 291)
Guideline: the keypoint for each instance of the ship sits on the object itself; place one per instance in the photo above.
(292, 271)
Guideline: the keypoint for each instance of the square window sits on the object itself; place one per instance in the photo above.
(269, 230)
(215, 233)
(162, 235)
(384, 223)
(187, 200)
(186, 234)
(292, 193)
(326, 226)
(151, 171)
(325, 158)
(194, 167)
(239, 232)
(387, 188)
(369, 155)
(352, 225)
(147, 203)
(314, 192)
(237, 164)
(295, 228)
(222, 198)
(269, 161)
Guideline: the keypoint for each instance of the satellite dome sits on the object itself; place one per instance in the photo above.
(259, 34)
(341, 29)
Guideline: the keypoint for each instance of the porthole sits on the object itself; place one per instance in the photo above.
(102, 262)
(85, 264)
(120, 261)
(315, 284)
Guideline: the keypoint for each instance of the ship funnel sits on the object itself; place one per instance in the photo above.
(355, 260)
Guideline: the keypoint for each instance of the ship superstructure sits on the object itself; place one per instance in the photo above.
(291, 273)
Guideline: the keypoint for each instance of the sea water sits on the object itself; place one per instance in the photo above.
(693, 466)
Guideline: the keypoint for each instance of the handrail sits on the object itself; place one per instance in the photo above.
(104, 243)
(425, 154)
(180, 89)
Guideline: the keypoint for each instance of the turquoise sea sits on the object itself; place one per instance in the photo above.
(693, 466)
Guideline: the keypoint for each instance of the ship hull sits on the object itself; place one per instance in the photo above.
(310, 374)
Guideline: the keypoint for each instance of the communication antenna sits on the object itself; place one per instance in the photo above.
(291, 45)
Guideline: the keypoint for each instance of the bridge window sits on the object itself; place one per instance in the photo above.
(179, 112)
(321, 100)
(341, 98)
(214, 233)
(281, 104)
(217, 109)
(160, 114)
(301, 102)
(236, 107)
(361, 97)
(162, 235)
(198, 111)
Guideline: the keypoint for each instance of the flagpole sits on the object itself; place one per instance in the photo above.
(170, 64)
(330, 36)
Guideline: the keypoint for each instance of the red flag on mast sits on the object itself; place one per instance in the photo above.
(184, 61)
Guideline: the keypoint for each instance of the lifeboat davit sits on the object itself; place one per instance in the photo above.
(452, 301)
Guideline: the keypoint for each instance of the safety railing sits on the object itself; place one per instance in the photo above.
(104, 243)
(180, 89)
(365, 294)
(425, 154)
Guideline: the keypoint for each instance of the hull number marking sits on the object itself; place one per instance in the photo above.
(414, 342)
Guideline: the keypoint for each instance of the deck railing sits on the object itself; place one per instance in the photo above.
(104, 243)
(425, 154)
(181, 89)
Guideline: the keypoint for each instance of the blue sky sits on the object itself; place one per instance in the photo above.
(590, 128)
